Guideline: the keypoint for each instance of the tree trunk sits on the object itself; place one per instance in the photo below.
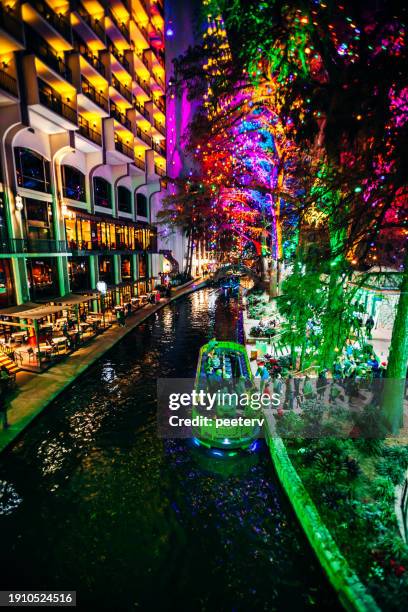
(394, 385)
(332, 321)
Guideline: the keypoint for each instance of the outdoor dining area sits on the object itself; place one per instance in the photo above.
(36, 335)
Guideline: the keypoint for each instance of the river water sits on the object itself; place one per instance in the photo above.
(91, 500)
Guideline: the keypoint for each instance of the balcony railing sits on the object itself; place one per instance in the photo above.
(123, 120)
(159, 170)
(26, 245)
(160, 127)
(42, 49)
(139, 163)
(142, 109)
(159, 80)
(145, 137)
(123, 148)
(141, 55)
(86, 130)
(120, 57)
(11, 22)
(90, 92)
(59, 22)
(122, 27)
(143, 84)
(123, 90)
(158, 55)
(95, 25)
(53, 102)
(160, 104)
(102, 247)
(159, 149)
(8, 83)
(143, 30)
(84, 50)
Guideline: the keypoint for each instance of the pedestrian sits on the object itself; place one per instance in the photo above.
(122, 317)
(369, 326)
(321, 384)
(263, 373)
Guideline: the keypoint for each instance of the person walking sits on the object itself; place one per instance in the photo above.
(263, 374)
(369, 327)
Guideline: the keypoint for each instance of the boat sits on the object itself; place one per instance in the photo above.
(229, 425)
(230, 284)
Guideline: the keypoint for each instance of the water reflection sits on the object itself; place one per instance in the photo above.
(94, 499)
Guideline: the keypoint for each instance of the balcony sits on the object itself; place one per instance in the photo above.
(141, 55)
(59, 22)
(45, 52)
(94, 24)
(160, 104)
(143, 84)
(123, 148)
(121, 117)
(159, 55)
(142, 109)
(119, 57)
(90, 92)
(88, 132)
(159, 127)
(144, 4)
(51, 100)
(143, 136)
(8, 83)
(26, 245)
(139, 163)
(159, 149)
(81, 48)
(11, 23)
(159, 80)
(122, 27)
(124, 91)
(159, 170)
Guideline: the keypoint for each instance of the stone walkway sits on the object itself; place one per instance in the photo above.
(36, 391)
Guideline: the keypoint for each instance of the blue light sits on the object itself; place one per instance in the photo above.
(254, 445)
(169, 32)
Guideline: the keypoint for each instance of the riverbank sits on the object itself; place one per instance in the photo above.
(37, 391)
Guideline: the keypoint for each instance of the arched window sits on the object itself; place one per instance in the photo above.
(102, 192)
(141, 204)
(124, 200)
(73, 183)
(33, 170)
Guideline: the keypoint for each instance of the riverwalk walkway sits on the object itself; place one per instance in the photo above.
(37, 391)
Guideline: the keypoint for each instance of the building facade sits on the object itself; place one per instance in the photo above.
(83, 146)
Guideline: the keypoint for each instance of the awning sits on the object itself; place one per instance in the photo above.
(14, 310)
(38, 313)
(75, 298)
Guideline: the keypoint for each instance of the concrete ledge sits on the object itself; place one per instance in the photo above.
(38, 390)
(351, 592)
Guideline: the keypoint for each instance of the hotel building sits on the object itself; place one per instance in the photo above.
(82, 147)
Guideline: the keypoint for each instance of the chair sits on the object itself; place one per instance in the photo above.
(31, 354)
